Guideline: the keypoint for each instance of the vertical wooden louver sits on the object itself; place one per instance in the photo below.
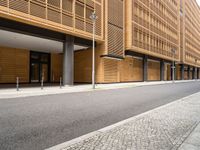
(38, 9)
(89, 10)
(53, 10)
(99, 20)
(115, 27)
(19, 5)
(110, 70)
(72, 15)
(79, 12)
(67, 17)
(190, 32)
(3, 3)
(115, 39)
(154, 28)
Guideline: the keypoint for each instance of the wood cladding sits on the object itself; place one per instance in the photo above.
(62, 15)
(191, 34)
(115, 27)
(178, 72)
(168, 67)
(83, 66)
(14, 63)
(111, 70)
(153, 72)
(150, 27)
(153, 27)
(56, 67)
(131, 69)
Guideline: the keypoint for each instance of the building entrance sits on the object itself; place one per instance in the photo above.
(39, 67)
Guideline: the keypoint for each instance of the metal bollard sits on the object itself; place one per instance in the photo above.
(17, 83)
(42, 83)
(60, 82)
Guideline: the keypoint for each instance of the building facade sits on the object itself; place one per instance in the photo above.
(136, 40)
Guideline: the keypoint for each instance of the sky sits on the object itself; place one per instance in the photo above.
(198, 1)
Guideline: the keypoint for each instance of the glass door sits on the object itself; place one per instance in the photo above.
(44, 72)
(35, 74)
(39, 67)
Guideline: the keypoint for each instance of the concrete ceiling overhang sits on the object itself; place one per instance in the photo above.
(29, 42)
(27, 29)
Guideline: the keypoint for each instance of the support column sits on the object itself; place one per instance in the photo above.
(193, 73)
(68, 61)
(162, 70)
(145, 68)
(173, 70)
(188, 72)
(182, 71)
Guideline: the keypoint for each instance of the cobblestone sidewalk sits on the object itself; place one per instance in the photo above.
(164, 128)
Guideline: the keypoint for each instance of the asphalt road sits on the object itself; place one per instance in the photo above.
(36, 123)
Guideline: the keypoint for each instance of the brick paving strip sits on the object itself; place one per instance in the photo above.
(164, 128)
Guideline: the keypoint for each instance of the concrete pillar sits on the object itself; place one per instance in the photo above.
(188, 72)
(173, 66)
(162, 70)
(182, 71)
(68, 61)
(145, 68)
(193, 73)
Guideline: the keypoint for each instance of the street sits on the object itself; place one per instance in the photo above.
(36, 123)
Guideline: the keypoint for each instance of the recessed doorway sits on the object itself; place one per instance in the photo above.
(39, 67)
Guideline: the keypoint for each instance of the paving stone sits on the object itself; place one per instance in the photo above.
(189, 147)
(164, 128)
(194, 139)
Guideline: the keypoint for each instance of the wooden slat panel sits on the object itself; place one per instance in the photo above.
(19, 5)
(79, 9)
(67, 5)
(55, 3)
(83, 66)
(131, 70)
(115, 12)
(67, 20)
(57, 15)
(90, 3)
(14, 63)
(153, 71)
(56, 67)
(178, 72)
(3, 3)
(89, 27)
(22, 65)
(79, 24)
(99, 20)
(54, 15)
(115, 28)
(115, 40)
(169, 72)
(110, 70)
(153, 27)
(38, 10)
